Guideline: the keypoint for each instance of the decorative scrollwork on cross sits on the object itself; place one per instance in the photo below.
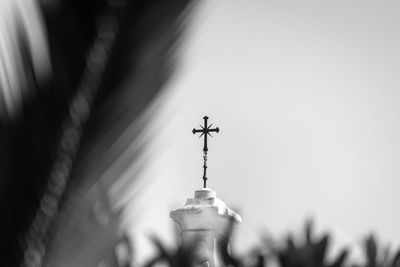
(205, 131)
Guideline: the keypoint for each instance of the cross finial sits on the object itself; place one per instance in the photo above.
(205, 131)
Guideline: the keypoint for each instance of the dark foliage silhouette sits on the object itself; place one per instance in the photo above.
(376, 256)
(312, 252)
(109, 61)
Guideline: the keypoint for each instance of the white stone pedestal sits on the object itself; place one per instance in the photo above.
(205, 219)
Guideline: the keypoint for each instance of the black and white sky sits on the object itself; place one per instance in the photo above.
(306, 94)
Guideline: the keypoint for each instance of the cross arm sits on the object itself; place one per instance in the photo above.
(213, 130)
(197, 131)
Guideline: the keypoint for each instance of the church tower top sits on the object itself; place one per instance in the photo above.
(205, 204)
(205, 218)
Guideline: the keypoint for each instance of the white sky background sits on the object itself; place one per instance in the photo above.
(306, 94)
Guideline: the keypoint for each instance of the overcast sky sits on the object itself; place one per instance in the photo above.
(306, 94)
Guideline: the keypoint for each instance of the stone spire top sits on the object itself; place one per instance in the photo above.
(205, 219)
(204, 211)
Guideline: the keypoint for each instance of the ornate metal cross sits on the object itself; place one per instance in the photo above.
(205, 131)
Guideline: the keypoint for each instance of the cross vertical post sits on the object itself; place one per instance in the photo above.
(205, 131)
